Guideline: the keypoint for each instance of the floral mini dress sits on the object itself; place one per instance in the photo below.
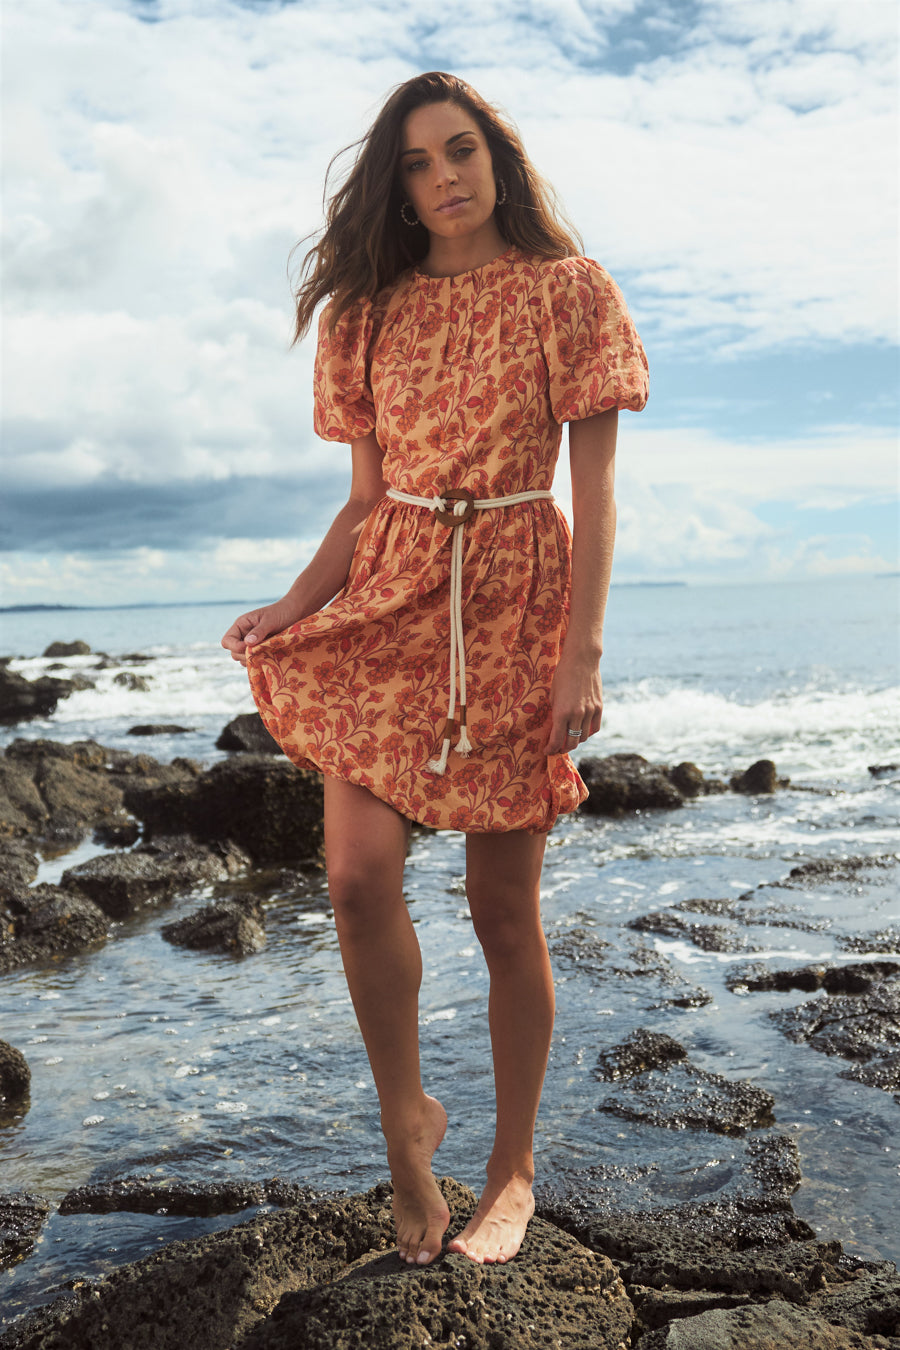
(466, 381)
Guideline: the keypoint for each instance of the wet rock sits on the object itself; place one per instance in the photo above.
(578, 946)
(248, 733)
(138, 684)
(687, 778)
(121, 833)
(855, 1026)
(817, 870)
(642, 1051)
(645, 963)
(227, 926)
(18, 867)
(673, 1093)
(760, 778)
(709, 937)
(265, 805)
(852, 979)
(46, 922)
(122, 883)
(864, 944)
(326, 1274)
(76, 648)
(148, 1195)
(15, 1075)
(620, 783)
(135, 658)
(703, 905)
(22, 1217)
(883, 1073)
(158, 729)
(59, 792)
(883, 770)
(22, 699)
(775, 1325)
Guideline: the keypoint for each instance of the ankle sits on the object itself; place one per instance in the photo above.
(502, 1171)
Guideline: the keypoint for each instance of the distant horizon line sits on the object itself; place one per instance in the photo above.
(251, 604)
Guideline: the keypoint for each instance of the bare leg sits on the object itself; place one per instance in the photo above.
(365, 849)
(503, 886)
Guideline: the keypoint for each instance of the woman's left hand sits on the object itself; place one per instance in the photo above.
(576, 701)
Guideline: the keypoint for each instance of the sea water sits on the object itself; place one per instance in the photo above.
(149, 1059)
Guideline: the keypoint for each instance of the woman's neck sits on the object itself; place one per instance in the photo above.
(447, 257)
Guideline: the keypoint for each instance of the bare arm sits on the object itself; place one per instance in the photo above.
(577, 694)
(327, 571)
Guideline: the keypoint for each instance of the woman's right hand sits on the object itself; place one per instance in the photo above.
(257, 624)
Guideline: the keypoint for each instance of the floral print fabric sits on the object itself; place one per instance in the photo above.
(466, 381)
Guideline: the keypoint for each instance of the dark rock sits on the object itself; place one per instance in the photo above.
(158, 729)
(641, 1051)
(578, 946)
(265, 805)
(15, 1075)
(761, 777)
(817, 870)
(709, 937)
(227, 926)
(46, 923)
(76, 648)
(687, 778)
(59, 791)
(22, 1217)
(128, 680)
(621, 783)
(868, 1300)
(18, 867)
(854, 1026)
(326, 1274)
(883, 770)
(774, 1325)
(122, 883)
(702, 905)
(864, 944)
(852, 979)
(135, 659)
(148, 1195)
(248, 733)
(883, 1073)
(676, 1095)
(645, 963)
(118, 833)
(22, 699)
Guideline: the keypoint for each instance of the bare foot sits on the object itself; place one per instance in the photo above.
(496, 1229)
(421, 1215)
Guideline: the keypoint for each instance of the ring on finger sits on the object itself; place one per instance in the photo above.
(574, 731)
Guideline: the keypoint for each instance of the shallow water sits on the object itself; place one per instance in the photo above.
(147, 1058)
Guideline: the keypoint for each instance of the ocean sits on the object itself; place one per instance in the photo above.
(147, 1059)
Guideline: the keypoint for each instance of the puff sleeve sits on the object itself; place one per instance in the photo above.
(343, 406)
(594, 356)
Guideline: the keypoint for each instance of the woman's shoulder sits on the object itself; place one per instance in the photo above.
(573, 270)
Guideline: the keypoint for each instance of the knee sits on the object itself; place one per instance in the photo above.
(508, 932)
(357, 895)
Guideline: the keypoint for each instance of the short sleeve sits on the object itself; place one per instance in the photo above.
(343, 406)
(594, 356)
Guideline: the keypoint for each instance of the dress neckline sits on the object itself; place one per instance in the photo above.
(501, 260)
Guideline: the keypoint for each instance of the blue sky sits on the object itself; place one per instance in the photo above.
(731, 162)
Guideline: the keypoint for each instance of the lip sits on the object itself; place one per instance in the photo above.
(453, 204)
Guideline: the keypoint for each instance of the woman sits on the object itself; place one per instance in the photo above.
(459, 661)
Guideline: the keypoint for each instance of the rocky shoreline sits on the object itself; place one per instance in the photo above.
(600, 1267)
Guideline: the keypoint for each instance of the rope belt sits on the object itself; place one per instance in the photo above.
(453, 509)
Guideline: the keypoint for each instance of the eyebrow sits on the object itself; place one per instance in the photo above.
(449, 141)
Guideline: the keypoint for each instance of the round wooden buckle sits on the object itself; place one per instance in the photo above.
(457, 495)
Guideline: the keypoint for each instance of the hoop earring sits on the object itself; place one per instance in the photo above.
(501, 192)
(405, 218)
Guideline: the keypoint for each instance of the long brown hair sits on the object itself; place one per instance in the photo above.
(366, 245)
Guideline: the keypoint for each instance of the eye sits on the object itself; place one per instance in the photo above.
(412, 166)
(464, 151)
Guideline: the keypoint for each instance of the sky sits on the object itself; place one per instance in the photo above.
(732, 163)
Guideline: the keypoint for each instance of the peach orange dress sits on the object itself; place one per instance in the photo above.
(466, 381)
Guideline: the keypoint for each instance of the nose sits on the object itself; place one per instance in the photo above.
(446, 172)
